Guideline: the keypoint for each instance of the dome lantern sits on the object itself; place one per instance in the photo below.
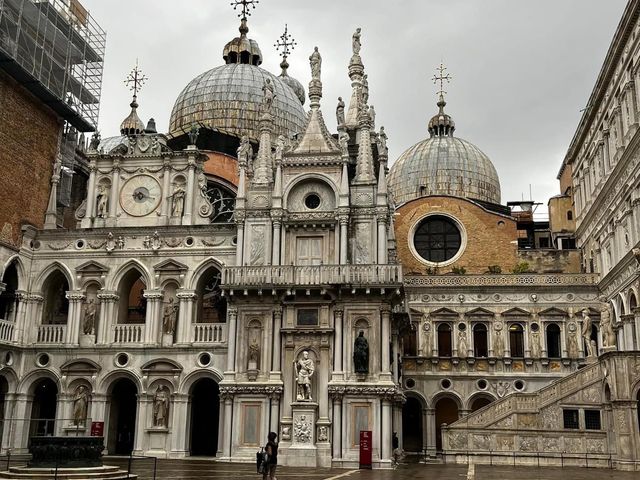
(242, 49)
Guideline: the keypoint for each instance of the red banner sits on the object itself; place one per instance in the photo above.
(97, 429)
(366, 445)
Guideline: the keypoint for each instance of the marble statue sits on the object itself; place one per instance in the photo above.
(343, 140)
(356, 43)
(498, 349)
(572, 347)
(80, 405)
(281, 143)
(269, 95)
(426, 338)
(88, 325)
(194, 132)
(315, 60)
(95, 141)
(102, 208)
(586, 333)
(120, 242)
(245, 151)
(161, 407)
(361, 354)
(365, 89)
(463, 345)
(254, 354)
(169, 317)
(372, 116)
(323, 434)
(535, 344)
(304, 368)
(606, 324)
(340, 112)
(382, 142)
(177, 201)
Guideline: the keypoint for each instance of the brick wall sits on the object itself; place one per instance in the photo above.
(28, 146)
(490, 237)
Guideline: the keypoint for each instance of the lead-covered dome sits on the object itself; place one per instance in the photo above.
(228, 98)
(444, 165)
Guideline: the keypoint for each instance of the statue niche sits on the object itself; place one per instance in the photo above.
(304, 369)
(361, 354)
(254, 348)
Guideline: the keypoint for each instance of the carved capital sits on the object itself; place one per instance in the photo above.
(108, 297)
(75, 296)
(153, 294)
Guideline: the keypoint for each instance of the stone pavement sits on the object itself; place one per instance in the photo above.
(211, 470)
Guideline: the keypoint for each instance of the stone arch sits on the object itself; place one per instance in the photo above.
(48, 270)
(413, 424)
(455, 396)
(447, 406)
(418, 396)
(477, 396)
(211, 305)
(29, 381)
(17, 262)
(116, 279)
(108, 380)
(11, 377)
(133, 280)
(189, 380)
(310, 177)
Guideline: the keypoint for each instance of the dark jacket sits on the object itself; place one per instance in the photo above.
(273, 458)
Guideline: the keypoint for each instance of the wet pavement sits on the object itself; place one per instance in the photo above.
(211, 470)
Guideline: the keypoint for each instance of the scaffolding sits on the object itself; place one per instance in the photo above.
(55, 49)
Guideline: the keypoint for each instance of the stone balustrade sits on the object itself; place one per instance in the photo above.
(508, 280)
(129, 333)
(311, 275)
(51, 333)
(209, 333)
(6, 331)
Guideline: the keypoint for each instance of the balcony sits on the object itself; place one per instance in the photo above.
(209, 333)
(312, 275)
(6, 331)
(128, 333)
(51, 333)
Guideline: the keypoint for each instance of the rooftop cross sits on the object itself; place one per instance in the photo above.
(247, 5)
(135, 80)
(441, 78)
(286, 43)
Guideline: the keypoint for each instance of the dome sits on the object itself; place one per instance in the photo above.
(444, 165)
(228, 98)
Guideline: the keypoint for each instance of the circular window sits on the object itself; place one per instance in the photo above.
(80, 244)
(535, 327)
(43, 360)
(437, 239)
(189, 241)
(122, 359)
(312, 201)
(446, 383)
(8, 359)
(410, 383)
(462, 327)
(482, 384)
(35, 244)
(518, 385)
(234, 241)
(204, 359)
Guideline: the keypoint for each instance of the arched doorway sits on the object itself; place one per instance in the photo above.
(446, 412)
(4, 388)
(132, 308)
(205, 409)
(8, 301)
(412, 425)
(56, 304)
(480, 402)
(211, 305)
(43, 408)
(123, 402)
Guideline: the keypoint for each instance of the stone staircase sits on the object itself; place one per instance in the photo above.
(91, 473)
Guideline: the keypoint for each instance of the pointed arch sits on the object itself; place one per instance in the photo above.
(48, 270)
(132, 264)
(17, 262)
(201, 269)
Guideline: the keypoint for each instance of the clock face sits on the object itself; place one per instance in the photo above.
(140, 195)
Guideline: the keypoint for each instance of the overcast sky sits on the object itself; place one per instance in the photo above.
(522, 69)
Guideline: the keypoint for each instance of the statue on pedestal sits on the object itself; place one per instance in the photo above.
(88, 325)
(586, 333)
(254, 355)
(244, 152)
(80, 404)
(304, 369)
(606, 325)
(361, 354)
(355, 41)
(169, 318)
(269, 96)
(161, 407)
(102, 209)
(177, 201)
(315, 60)
(340, 111)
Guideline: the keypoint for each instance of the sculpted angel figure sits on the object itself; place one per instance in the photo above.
(315, 60)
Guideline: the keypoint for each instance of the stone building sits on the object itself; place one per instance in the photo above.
(251, 271)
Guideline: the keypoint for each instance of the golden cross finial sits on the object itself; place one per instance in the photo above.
(442, 78)
(135, 80)
(286, 43)
(247, 5)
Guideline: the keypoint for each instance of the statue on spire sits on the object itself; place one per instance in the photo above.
(356, 43)
(269, 96)
(315, 60)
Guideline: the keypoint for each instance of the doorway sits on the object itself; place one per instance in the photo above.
(446, 412)
(43, 408)
(412, 425)
(122, 417)
(205, 409)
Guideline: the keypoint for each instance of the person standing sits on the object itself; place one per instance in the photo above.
(271, 449)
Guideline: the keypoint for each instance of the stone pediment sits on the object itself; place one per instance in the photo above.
(81, 366)
(479, 312)
(516, 312)
(553, 312)
(444, 312)
(170, 267)
(316, 138)
(92, 269)
(161, 366)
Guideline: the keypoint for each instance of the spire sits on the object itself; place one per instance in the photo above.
(364, 163)
(132, 125)
(359, 85)
(242, 49)
(441, 124)
(263, 165)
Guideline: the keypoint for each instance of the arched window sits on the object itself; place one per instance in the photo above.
(437, 239)
(553, 341)
(56, 304)
(516, 340)
(212, 306)
(480, 347)
(444, 340)
(133, 305)
(8, 302)
(569, 215)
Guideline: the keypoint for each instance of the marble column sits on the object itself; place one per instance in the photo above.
(51, 214)
(32, 317)
(227, 418)
(179, 422)
(108, 300)
(187, 299)
(277, 228)
(166, 199)
(387, 433)
(430, 428)
(221, 413)
(76, 298)
(20, 316)
(396, 350)
(232, 319)
(8, 427)
(153, 316)
(277, 353)
(22, 414)
(115, 192)
(344, 244)
(91, 195)
(274, 424)
(382, 240)
(141, 423)
(239, 244)
(336, 428)
(338, 314)
(189, 200)
(385, 320)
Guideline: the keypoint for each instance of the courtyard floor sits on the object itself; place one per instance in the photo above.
(210, 470)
